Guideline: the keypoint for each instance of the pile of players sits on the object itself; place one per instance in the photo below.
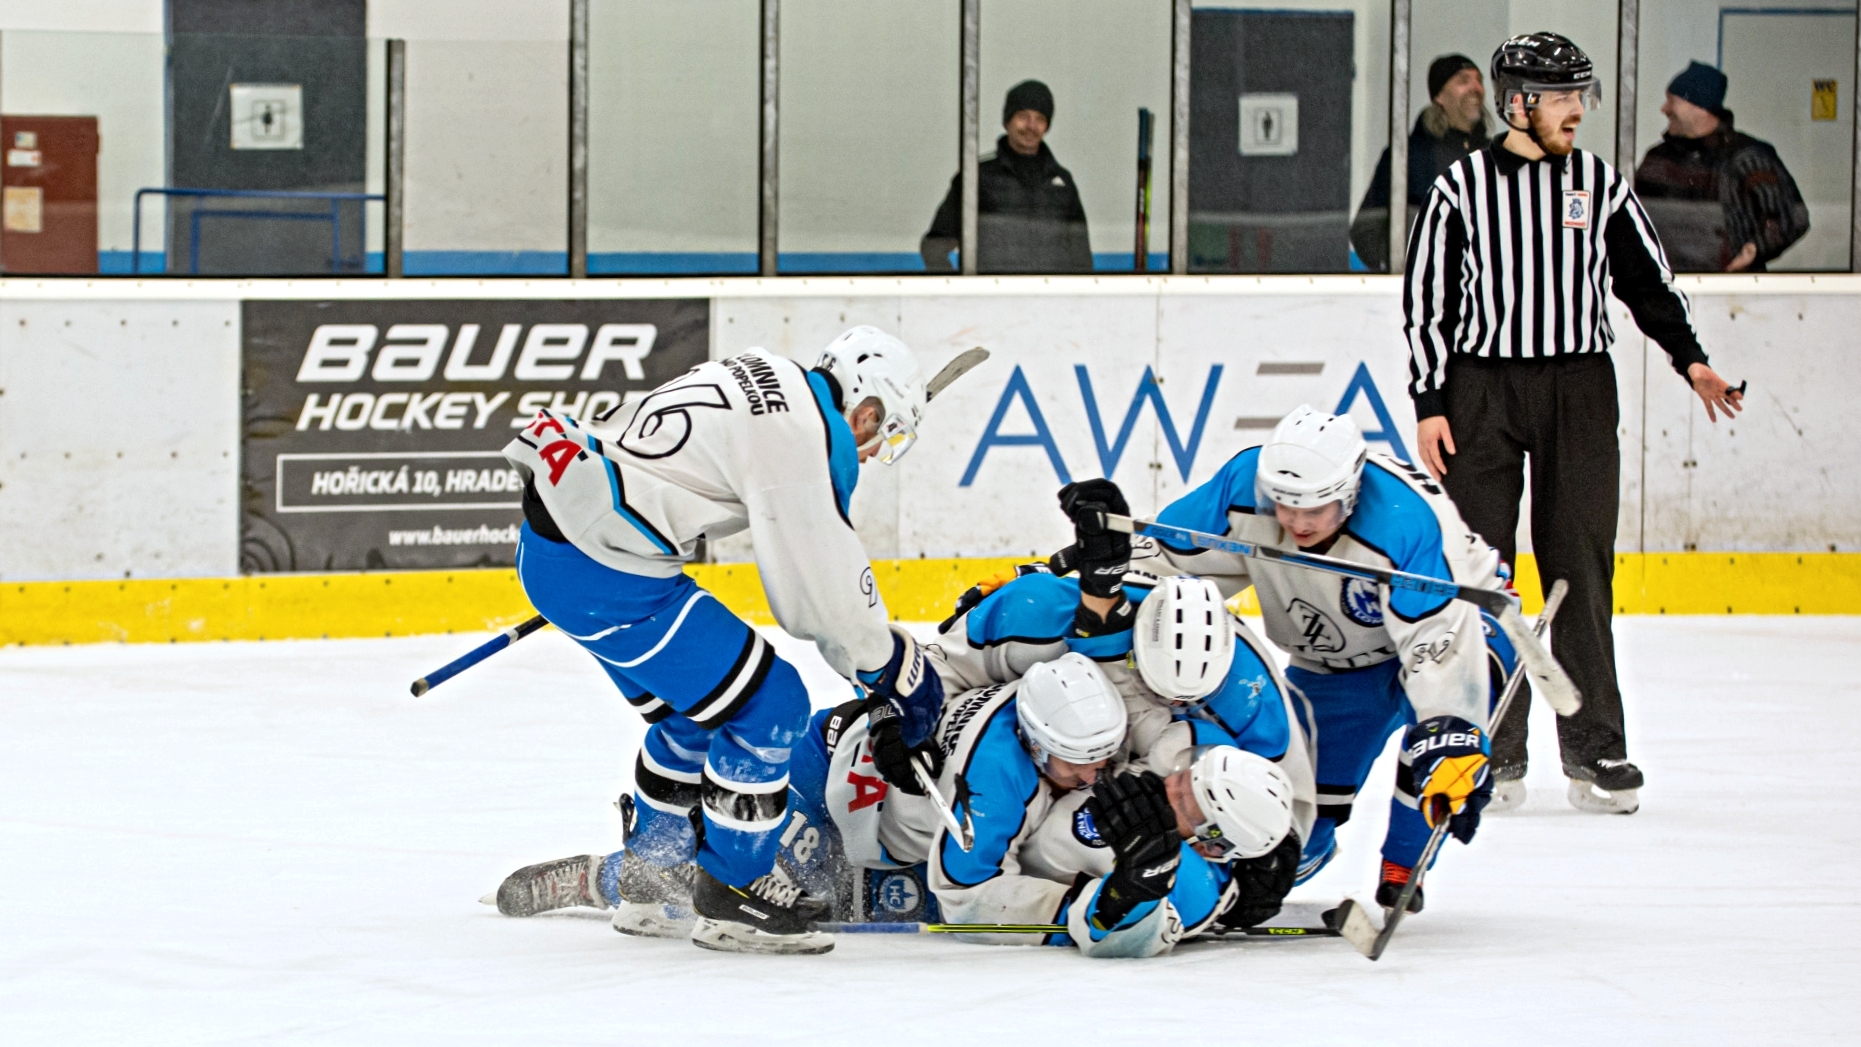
(1107, 748)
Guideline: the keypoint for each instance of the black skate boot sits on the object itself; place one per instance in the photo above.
(1395, 878)
(561, 884)
(771, 915)
(655, 899)
(1604, 786)
(1509, 791)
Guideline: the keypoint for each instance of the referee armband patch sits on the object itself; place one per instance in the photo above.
(1576, 209)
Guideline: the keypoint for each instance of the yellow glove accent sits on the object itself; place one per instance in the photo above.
(995, 581)
(1453, 778)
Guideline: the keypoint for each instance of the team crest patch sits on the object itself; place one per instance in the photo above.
(1085, 830)
(897, 894)
(1576, 209)
(1362, 602)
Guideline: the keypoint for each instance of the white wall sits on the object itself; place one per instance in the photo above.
(156, 377)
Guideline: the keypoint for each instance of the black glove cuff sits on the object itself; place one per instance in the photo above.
(1087, 623)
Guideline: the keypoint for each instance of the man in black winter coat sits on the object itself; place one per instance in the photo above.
(1029, 219)
(1722, 200)
(1453, 125)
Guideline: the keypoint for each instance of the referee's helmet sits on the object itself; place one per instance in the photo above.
(1530, 66)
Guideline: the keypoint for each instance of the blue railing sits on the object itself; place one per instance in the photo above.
(334, 218)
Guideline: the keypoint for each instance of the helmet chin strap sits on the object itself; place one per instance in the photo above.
(1530, 128)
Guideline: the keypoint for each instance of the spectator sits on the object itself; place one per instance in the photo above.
(1029, 219)
(1453, 125)
(1722, 200)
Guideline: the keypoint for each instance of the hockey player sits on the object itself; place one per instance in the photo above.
(613, 511)
(1370, 661)
(1130, 867)
(1190, 673)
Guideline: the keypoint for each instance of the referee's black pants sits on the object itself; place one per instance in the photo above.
(1563, 412)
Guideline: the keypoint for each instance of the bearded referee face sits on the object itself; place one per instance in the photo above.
(1555, 119)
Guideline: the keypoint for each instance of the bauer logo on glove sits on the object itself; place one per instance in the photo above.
(1447, 758)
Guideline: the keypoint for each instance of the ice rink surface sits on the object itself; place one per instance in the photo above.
(274, 843)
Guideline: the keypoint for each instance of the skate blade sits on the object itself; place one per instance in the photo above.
(1507, 797)
(1589, 799)
(653, 921)
(725, 936)
(1355, 927)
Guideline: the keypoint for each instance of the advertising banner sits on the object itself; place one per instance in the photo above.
(371, 429)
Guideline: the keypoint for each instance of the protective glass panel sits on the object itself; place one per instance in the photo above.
(1289, 114)
(672, 136)
(1744, 133)
(486, 175)
(209, 154)
(1068, 199)
(869, 130)
(1444, 101)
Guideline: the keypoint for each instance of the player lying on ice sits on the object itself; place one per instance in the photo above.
(613, 511)
(1370, 660)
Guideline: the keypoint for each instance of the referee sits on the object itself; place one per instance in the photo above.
(1509, 339)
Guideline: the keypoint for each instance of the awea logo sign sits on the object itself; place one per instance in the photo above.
(1149, 391)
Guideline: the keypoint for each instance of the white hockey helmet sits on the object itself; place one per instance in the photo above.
(1183, 642)
(1068, 708)
(1312, 458)
(868, 362)
(1246, 798)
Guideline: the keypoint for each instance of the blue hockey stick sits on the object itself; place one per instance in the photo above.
(477, 654)
(1549, 678)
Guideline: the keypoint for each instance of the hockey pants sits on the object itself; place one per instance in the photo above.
(724, 710)
(1356, 712)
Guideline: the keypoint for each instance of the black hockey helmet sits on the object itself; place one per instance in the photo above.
(1536, 63)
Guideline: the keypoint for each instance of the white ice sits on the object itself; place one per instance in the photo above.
(274, 843)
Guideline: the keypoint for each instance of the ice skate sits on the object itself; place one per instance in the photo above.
(655, 900)
(1395, 878)
(1604, 786)
(562, 884)
(768, 916)
(1509, 792)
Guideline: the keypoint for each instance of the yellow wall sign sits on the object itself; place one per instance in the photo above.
(1822, 99)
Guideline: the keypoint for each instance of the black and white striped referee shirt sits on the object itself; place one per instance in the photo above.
(1510, 259)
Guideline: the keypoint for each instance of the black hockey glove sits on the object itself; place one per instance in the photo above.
(1260, 884)
(1448, 766)
(1087, 622)
(891, 757)
(1104, 555)
(1132, 812)
(908, 680)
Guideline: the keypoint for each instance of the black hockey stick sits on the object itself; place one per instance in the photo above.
(1550, 677)
(1354, 923)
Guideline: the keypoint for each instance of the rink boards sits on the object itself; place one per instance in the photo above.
(121, 418)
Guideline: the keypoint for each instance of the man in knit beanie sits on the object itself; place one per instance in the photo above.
(1453, 125)
(1029, 218)
(1722, 200)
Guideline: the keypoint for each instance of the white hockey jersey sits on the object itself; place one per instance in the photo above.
(754, 441)
(1329, 623)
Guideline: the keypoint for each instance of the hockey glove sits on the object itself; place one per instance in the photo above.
(909, 682)
(891, 757)
(1448, 759)
(1132, 812)
(1261, 884)
(1104, 555)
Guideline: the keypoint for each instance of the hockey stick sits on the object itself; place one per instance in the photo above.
(964, 828)
(1550, 678)
(477, 654)
(964, 363)
(1355, 925)
(1054, 928)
